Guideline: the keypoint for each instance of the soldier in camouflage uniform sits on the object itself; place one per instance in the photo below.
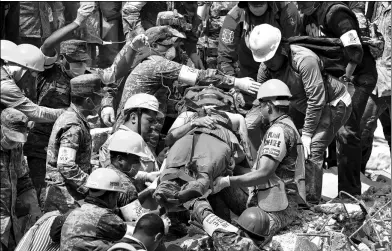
(69, 149)
(95, 226)
(208, 44)
(15, 180)
(53, 87)
(158, 73)
(138, 17)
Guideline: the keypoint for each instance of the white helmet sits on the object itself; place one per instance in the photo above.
(272, 89)
(104, 179)
(129, 142)
(143, 101)
(264, 40)
(8, 48)
(28, 56)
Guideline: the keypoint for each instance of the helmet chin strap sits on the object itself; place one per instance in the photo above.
(139, 123)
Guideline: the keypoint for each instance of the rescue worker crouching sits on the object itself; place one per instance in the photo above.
(69, 149)
(336, 20)
(158, 67)
(15, 180)
(279, 165)
(323, 99)
(140, 113)
(95, 225)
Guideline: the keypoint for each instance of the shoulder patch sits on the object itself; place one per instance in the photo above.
(227, 36)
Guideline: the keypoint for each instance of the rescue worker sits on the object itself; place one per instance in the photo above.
(279, 165)
(234, 45)
(158, 67)
(140, 113)
(18, 65)
(69, 149)
(126, 150)
(54, 88)
(95, 226)
(147, 236)
(249, 232)
(336, 20)
(15, 180)
(323, 99)
(138, 17)
(239, 23)
(379, 102)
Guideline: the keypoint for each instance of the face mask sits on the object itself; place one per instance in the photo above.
(170, 53)
(258, 10)
(77, 69)
(17, 72)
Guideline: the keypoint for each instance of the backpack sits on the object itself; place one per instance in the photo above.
(196, 97)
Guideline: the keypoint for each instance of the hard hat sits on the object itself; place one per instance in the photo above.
(255, 221)
(264, 40)
(28, 56)
(7, 48)
(272, 89)
(105, 179)
(129, 142)
(143, 101)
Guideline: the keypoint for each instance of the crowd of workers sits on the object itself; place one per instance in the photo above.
(215, 108)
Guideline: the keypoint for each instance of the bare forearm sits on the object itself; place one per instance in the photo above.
(350, 69)
(48, 48)
(249, 179)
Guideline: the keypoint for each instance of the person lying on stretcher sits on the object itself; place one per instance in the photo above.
(204, 145)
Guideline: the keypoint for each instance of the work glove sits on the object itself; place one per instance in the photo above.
(107, 115)
(306, 140)
(139, 42)
(85, 10)
(247, 85)
(221, 183)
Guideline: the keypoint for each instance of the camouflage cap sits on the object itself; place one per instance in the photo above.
(14, 125)
(164, 35)
(74, 50)
(86, 84)
(174, 19)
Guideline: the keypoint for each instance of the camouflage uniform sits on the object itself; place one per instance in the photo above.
(66, 180)
(91, 227)
(146, 165)
(15, 181)
(156, 76)
(140, 16)
(127, 183)
(208, 44)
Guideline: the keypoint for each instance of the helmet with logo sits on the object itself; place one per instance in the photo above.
(8, 48)
(276, 91)
(142, 101)
(264, 41)
(255, 221)
(28, 56)
(128, 142)
(104, 179)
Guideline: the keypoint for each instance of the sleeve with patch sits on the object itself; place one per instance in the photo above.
(274, 144)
